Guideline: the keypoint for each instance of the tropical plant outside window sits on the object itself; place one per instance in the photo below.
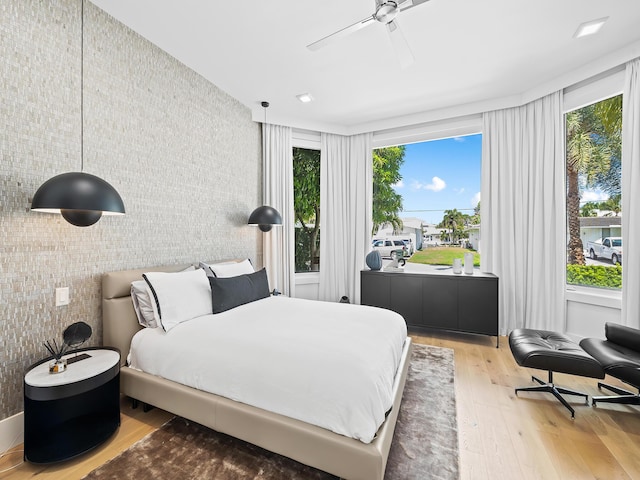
(594, 167)
(306, 205)
(387, 204)
(425, 181)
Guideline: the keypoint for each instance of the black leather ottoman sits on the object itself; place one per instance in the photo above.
(553, 352)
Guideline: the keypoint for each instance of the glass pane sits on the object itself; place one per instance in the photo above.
(428, 195)
(594, 168)
(306, 204)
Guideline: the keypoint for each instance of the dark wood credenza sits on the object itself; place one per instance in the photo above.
(463, 303)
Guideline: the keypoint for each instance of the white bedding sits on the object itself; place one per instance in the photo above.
(328, 364)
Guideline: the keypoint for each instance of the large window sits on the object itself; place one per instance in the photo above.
(429, 192)
(594, 224)
(306, 204)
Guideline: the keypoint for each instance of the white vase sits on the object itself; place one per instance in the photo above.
(457, 265)
(468, 263)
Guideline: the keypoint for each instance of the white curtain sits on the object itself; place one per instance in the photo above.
(346, 197)
(631, 196)
(523, 212)
(278, 246)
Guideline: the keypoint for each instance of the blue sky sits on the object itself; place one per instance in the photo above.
(441, 175)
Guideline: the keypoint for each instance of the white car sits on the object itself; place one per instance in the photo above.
(385, 247)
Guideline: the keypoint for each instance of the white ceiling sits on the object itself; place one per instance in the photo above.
(466, 51)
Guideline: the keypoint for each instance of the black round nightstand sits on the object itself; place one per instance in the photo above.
(69, 413)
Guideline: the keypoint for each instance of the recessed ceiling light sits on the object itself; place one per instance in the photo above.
(589, 28)
(304, 97)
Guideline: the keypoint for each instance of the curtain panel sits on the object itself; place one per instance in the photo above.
(277, 188)
(631, 195)
(346, 199)
(523, 212)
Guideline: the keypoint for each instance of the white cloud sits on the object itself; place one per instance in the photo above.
(458, 139)
(475, 200)
(593, 196)
(436, 184)
(398, 184)
(459, 190)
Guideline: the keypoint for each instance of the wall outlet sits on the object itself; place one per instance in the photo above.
(62, 296)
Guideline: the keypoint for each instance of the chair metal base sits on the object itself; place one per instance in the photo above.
(623, 396)
(549, 387)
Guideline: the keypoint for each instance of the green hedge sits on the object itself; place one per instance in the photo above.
(595, 275)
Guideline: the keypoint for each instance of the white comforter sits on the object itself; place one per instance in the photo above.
(328, 364)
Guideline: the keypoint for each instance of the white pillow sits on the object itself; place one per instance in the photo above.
(231, 269)
(179, 296)
(143, 302)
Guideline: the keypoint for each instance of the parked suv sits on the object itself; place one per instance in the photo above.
(385, 247)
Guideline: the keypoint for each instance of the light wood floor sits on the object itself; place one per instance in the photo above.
(531, 436)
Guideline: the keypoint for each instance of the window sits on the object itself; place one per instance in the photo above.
(428, 193)
(306, 204)
(594, 167)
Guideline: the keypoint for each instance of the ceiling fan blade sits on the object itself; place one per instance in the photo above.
(407, 4)
(341, 33)
(400, 45)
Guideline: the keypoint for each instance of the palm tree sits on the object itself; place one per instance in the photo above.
(588, 156)
(588, 209)
(453, 220)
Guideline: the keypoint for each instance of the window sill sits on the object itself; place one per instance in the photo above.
(594, 296)
(307, 278)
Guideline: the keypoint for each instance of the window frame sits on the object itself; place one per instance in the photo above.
(593, 90)
(311, 140)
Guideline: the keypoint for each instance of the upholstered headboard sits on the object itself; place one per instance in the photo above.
(119, 321)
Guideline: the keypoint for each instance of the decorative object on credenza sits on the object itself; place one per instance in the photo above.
(468, 263)
(265, 217)
(374, 260)
(397, 261)
(344, 299)
(81, 198)
(457, 265)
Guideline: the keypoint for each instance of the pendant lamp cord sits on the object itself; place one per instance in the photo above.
(81, 85)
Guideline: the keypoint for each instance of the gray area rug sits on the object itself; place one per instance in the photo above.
(425, 442)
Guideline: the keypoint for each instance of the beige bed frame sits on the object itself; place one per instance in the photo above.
(311, 445)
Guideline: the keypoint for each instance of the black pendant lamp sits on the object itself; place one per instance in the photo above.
(265, 217)
(81, 198)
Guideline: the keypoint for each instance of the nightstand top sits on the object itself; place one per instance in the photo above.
(100, 361)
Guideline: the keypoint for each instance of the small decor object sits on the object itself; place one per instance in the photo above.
(74, 335)
(344, 299)
(468, 263)
(374, 260)
(58, 364)
(457, 265)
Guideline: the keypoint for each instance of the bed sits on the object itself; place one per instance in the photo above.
(302, 441)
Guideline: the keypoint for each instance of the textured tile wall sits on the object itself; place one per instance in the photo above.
(184, 156)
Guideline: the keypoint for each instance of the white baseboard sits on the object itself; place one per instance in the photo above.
(11, 432)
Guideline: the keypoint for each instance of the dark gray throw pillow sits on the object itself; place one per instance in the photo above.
(231, 292)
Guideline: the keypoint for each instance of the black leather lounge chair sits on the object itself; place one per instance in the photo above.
(619, 355)
(553, 352)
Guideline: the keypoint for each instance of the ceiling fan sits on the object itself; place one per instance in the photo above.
(386, 12)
